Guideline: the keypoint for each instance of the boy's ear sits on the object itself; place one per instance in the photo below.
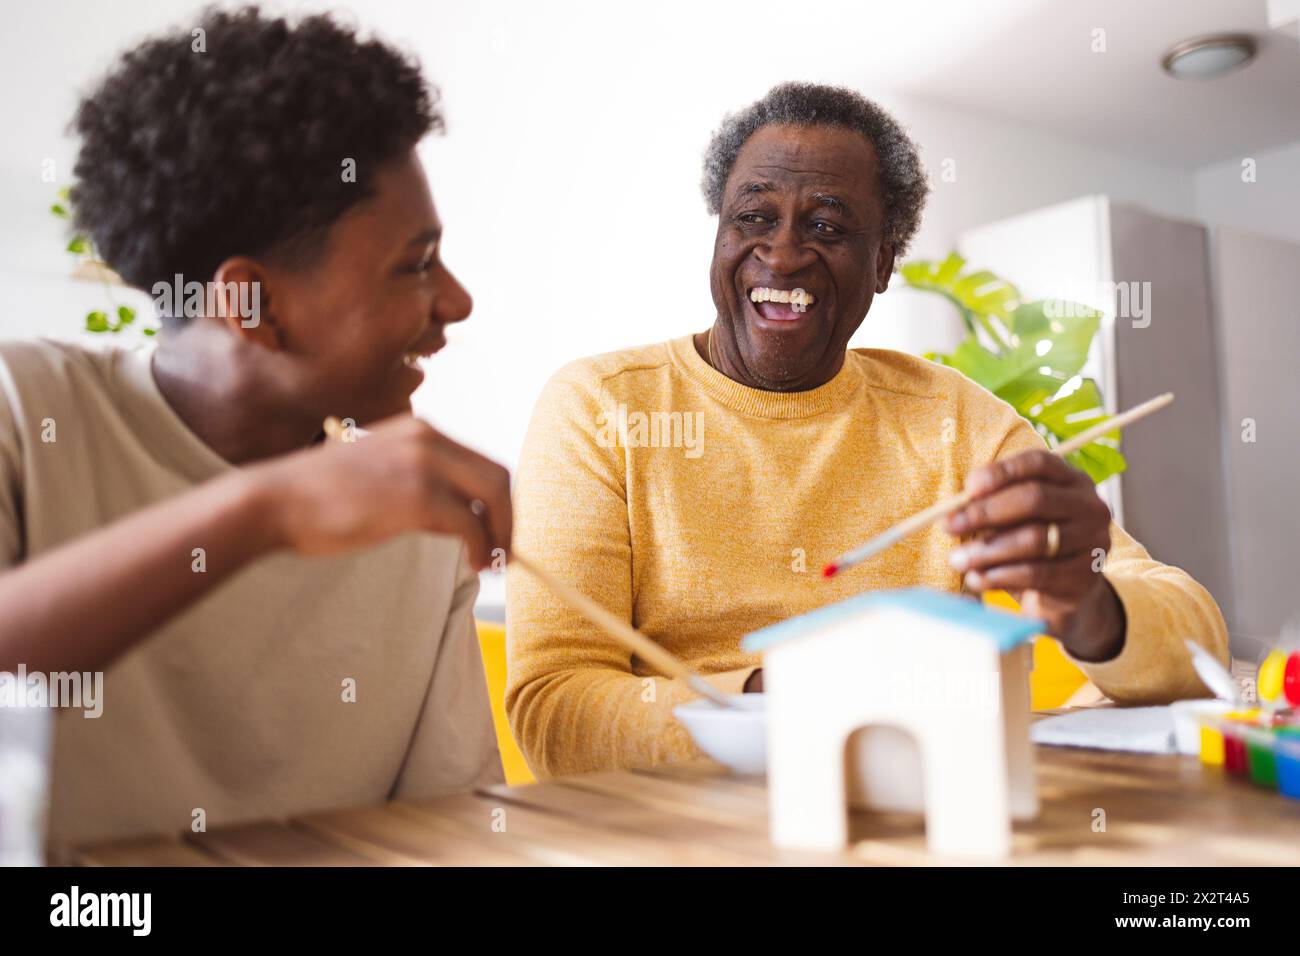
(244, 303)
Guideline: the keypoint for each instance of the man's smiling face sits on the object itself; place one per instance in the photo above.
(800, 210)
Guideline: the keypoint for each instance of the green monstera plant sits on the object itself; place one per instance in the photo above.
(1029, 354)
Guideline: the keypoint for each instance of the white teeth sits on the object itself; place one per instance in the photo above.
(411, 359)
(799, 299)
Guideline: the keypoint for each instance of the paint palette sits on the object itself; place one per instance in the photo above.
(1258, 745)
(1262, 744)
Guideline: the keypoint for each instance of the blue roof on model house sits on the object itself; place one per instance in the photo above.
(1004, 629)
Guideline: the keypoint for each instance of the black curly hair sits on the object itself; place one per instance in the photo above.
(903, 185)
(191, 156)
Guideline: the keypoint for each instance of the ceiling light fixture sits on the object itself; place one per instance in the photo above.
(1209, 57)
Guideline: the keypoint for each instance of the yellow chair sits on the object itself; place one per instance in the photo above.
(492, 645)
(1055, 678)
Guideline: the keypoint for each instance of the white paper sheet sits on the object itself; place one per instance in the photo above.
(1145, 730)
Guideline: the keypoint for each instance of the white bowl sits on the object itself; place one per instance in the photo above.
(1187, 720)
(735, 738)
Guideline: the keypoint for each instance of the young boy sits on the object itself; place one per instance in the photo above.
(278, 633)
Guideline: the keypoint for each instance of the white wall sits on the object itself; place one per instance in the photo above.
(568, 181)
(1270, 205)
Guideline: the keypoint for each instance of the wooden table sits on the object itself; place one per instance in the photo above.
(1158, 810)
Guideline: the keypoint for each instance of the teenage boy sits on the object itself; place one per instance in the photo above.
(280, 629)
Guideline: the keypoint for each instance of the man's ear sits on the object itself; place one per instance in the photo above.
(244, 302)
(884, 266)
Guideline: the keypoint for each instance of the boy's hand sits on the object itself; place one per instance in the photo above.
(403, 476)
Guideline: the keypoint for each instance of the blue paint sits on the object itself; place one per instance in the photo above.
(1004, 629)
(1288, 761)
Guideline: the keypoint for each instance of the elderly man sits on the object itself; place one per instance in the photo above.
(803, 448)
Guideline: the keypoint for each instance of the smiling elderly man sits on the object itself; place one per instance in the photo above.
(809, 448)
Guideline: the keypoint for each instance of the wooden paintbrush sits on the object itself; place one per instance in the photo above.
(633, 640)
(923, 519)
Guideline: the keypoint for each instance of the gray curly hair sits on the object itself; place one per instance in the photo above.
(903, 184)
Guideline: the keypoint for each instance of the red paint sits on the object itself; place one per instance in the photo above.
(1291, 679)
(830, 570)
(1234, 752)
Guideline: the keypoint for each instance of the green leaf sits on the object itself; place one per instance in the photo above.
(60, 211)
(988, 368)
(1041, 347)
(1076, 412)
(950, 268)
(1028, 392)
(96, 322)
(65, 194)
(147, 331)
(980, 292)
(1067, 326)
(125, 315)
(1045, 354)
(1098, 461)
(79, 245)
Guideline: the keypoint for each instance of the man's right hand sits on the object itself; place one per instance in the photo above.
(402, 476)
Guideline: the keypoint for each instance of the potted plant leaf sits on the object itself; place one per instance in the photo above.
(1027, 353)
(90, 266)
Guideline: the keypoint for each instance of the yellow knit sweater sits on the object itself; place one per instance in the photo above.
(700, 509)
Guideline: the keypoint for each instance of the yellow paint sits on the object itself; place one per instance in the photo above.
(1211, 747)
(492, 645)
(1055, 678)
(1212, 737)
(1271, 673)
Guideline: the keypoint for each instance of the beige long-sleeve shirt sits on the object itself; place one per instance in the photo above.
(239, 706)
(699, 509)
